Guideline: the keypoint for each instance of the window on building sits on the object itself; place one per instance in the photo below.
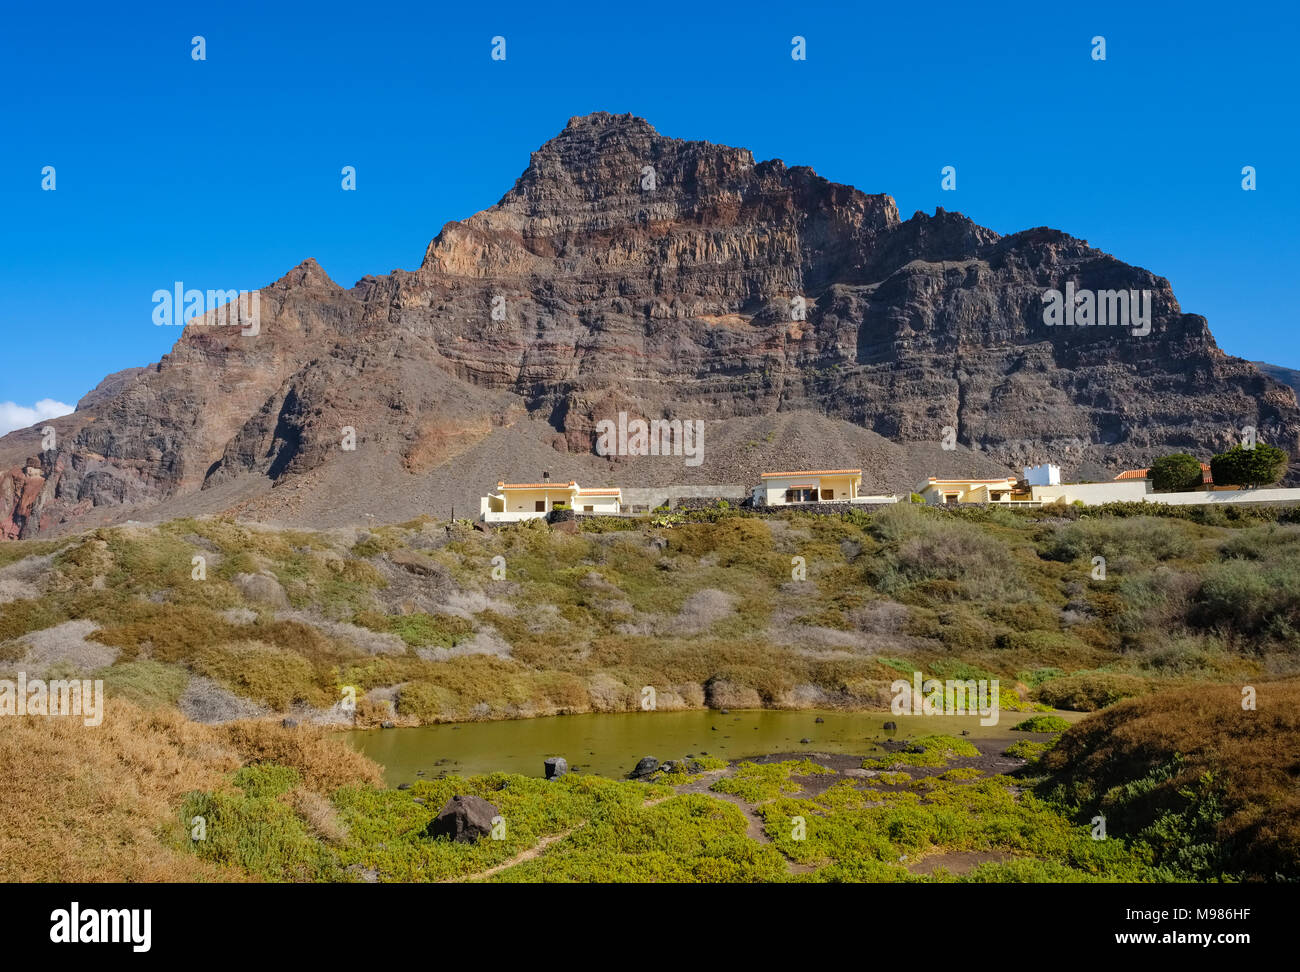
(950, 498)
(588, 509)
(539, 506)
(828, 494)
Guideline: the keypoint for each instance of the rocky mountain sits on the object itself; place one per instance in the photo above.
(1287, 376)
(629, 271)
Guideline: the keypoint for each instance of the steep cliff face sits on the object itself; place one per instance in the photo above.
(630, 271)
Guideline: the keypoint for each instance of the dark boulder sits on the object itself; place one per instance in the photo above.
(645, 767)
(464, 819)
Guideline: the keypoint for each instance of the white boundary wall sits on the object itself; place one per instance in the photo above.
(1226, 497)
(1092, 494)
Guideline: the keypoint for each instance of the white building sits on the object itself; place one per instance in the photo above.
(1044, 474)
(512, 502)
(813, 486)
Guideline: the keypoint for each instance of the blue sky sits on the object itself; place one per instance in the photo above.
(226, 172)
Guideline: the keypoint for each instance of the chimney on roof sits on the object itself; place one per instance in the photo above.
(546, 477)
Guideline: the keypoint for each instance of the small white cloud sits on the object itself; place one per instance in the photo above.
(15, 416)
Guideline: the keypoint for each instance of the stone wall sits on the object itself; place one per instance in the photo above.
(637, 499)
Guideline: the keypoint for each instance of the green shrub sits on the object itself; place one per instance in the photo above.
(23, 616)
(266, 780)
(1042, 723)
(1176, 473)
(1261, 465)
(1089, 691)
(264, 673)
(418, 629)
(1138, 539)
(1027, 749)
(148, 684)
(1250, 598)
(1038, 676)
(756, 782)
(935, 750)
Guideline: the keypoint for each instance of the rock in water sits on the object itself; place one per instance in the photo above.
(464, 819)
(556, 766)
(645, 767)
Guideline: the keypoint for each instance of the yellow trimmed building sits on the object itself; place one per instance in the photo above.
(512, 502)
(947, 491)
(796, 487)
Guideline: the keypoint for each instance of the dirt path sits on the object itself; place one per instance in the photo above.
(753, 825)
(524, 855)
(532, 852)
(956, 862)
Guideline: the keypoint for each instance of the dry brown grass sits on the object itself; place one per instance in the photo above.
(99, 804)
(319, 814)
(325, 762)
(1253, 758)
(102, 803)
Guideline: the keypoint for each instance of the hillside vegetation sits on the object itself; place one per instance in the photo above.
(435, 621)
(1194, 612)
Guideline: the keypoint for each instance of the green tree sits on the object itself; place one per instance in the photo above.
(1260, 466)
(1176, 473)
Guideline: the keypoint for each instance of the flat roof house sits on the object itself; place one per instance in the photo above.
(512, 502)
(796, 487)
(1007, 490)
(947, 491)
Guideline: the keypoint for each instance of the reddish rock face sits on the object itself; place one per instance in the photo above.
(630, 271)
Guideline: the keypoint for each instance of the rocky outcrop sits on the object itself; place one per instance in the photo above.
(630, 271)
(463, 819)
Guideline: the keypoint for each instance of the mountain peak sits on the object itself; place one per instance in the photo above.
(603, 121)
(309, 273)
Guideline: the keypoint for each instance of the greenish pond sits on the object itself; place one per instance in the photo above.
(609, 744)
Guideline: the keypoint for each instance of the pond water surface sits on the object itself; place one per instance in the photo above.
(609, 744)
